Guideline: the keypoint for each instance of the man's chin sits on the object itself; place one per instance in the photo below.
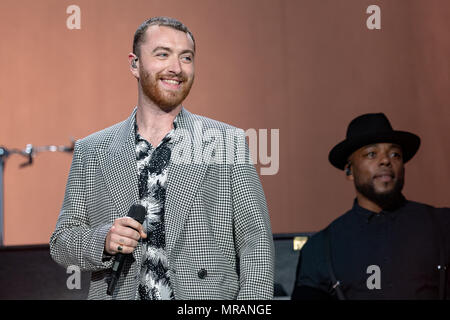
(169, 103)
(385, 192)
(387, 199)
(165, 102)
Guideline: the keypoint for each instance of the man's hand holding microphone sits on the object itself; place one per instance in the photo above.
(123, 236)
(122, 239)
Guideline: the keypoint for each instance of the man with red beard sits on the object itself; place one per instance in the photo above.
(206, 232)
(385, 247)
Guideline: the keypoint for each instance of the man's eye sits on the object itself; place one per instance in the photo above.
(187, 59)
(162, 54)
(396, 155)
(371, 154)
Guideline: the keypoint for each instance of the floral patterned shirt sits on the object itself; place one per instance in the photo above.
(152, 165)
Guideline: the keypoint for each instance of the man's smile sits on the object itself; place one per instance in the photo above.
(384, 176)
(171, 83)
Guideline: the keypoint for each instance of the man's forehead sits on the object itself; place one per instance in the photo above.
(156, 33)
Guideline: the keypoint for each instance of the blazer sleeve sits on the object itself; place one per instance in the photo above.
(74, 241)
(253, 234)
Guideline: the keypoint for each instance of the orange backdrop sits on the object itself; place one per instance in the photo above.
(305, 67)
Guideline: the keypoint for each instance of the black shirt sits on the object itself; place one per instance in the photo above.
(386, 255)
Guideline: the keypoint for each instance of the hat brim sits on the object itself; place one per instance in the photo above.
(409, 143)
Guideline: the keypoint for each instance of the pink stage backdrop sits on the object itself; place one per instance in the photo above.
(303, 67)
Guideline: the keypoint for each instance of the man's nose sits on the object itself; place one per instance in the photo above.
(385, 159)
(175, 66)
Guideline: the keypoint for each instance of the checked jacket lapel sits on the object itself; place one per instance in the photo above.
(183, 182)
(118, 164)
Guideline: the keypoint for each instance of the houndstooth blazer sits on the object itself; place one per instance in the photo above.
(218, 235)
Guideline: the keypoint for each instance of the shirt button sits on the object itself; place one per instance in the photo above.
(202, 273)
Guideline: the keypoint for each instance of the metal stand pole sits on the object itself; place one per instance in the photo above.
(2, 166)
(28, 152)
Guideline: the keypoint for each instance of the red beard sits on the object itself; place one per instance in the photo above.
(167, 100)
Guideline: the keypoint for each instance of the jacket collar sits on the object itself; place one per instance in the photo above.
(368, 214)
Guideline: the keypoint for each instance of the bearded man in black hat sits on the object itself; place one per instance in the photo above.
(385, 247)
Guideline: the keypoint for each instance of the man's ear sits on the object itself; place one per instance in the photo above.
(133, 61)
(348, 171)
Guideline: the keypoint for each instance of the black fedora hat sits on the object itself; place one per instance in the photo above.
(368, 129)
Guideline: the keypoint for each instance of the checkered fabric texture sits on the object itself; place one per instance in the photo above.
(218, 234)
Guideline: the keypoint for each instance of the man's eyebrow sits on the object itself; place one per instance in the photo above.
(161, 48)
(170, 50)
(188, 51)
(396, 146)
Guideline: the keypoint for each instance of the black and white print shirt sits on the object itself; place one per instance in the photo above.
(152, 165)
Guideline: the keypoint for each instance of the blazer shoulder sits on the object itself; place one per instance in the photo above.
(211, 123)
(102, 138)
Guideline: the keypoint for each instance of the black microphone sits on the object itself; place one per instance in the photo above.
(137, 212)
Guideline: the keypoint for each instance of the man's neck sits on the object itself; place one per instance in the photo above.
(154, 123)
(365, 203)
(389, 204)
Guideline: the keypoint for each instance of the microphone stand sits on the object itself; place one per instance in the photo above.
(29, 152)
(3, 155)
